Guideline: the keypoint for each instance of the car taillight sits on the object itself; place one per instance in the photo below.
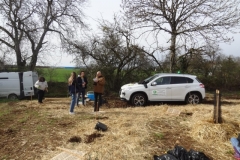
(201, 85)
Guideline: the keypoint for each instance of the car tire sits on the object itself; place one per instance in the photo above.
(138, 99)
(193, 98)
(12, 97)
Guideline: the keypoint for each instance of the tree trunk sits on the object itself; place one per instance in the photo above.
(35, 51)
(33, 62)
(21, 63)
(173, 53)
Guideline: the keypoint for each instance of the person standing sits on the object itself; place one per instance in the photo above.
(236, 146)
(82, 83)
(73, 90)
(46, 87)
(98, 88)
(41, 86)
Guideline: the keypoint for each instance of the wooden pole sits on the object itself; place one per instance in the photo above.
(97, 111)
(217, 114)
(217, 107)
(31, 100)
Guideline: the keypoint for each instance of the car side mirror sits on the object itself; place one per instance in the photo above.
(153, 83)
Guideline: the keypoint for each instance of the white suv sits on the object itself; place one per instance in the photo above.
(164, 87)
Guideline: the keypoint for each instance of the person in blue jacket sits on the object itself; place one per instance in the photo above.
(236, 145)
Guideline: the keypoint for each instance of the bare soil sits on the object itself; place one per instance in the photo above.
(29, 130)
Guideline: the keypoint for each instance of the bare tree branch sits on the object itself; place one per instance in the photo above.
(31, 21)
(208, 20)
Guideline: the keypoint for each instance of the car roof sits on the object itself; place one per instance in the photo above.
(175, 74)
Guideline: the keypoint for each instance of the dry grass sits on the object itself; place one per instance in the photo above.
(33, 131)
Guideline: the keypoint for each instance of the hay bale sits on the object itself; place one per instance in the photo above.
(206, 131)
(202, 115)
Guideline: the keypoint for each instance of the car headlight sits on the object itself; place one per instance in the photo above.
(124, 90)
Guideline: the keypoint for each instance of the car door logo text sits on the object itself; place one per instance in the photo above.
(161, 92)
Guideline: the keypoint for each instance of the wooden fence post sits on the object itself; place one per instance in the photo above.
(217, 111)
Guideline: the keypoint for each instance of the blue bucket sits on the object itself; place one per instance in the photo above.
(90, 95)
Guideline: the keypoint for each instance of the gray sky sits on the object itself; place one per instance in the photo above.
(105, 9)
(97, 9)
(233, 48)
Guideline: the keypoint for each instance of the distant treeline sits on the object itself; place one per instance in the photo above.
(222, 74)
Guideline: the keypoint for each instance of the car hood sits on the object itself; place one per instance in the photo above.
(132, 85)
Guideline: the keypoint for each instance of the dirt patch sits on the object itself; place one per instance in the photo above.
(75, 139)
(90, 138)
(29, 130)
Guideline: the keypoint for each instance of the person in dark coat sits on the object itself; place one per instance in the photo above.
(82, 83)
(98, 88)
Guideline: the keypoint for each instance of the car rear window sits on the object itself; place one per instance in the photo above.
(198, 80)
(189, 80)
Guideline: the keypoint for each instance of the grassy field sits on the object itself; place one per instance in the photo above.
(57, 80)
(57, 74)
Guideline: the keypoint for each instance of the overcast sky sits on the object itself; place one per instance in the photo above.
(96, 10)
(105, 9)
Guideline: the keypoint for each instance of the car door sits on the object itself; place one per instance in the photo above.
(28, 84)
(160, 89)
(180, 87)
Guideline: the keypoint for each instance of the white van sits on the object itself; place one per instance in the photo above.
(15, 85)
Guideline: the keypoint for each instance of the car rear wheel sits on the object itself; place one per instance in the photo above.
(193, 98)
(139, 99)
(12, 97)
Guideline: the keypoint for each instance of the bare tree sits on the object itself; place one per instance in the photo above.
(11, 36)
(6, 62)
(115, 52)
(191, 21)
(28, 22)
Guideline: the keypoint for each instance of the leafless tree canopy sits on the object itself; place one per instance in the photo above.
(191, 21)
(114, 52)
(28, 22)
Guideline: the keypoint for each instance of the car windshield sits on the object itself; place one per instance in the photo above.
(145, 81)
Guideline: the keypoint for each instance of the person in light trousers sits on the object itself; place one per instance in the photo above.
(73, 90)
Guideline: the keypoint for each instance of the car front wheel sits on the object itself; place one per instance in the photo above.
(193, 98)
(139, 99)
